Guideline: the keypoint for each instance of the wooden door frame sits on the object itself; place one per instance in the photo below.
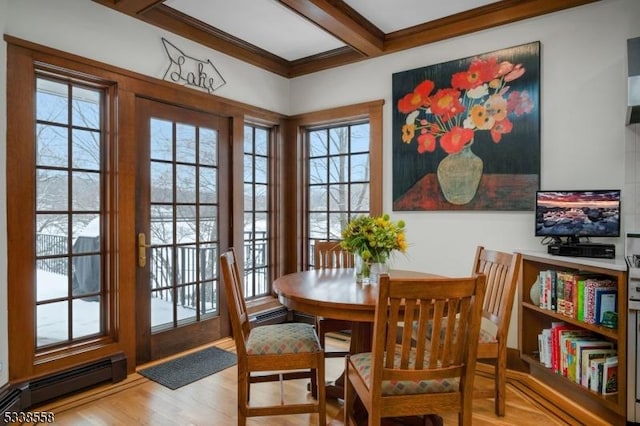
(149, 345)
(21, 59)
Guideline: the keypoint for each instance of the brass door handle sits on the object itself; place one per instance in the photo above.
(142, 250)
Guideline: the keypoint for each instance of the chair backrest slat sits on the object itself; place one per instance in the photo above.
(330, 255)
(502, 271)
(421, 304)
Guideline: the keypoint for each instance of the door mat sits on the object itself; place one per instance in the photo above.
(189, 368)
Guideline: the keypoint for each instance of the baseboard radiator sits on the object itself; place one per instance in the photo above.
(25, 395)
(271, 316)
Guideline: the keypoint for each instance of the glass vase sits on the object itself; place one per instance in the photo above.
(378, 268)
(459, 176)
(363, 269)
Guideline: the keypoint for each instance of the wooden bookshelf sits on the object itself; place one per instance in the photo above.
(532, 320)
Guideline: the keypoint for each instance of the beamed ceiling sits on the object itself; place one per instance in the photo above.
(297, 37)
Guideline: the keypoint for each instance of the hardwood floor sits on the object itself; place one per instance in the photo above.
(212, 401)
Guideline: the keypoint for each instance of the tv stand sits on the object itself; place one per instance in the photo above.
(577, 249)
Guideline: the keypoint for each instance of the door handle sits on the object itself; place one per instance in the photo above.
(142, 250)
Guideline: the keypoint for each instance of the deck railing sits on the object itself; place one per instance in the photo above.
(186, 261)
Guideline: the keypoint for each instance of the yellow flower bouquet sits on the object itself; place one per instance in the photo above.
(373, 238)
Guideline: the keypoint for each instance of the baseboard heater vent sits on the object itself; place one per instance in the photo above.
(113, 369)
(10, 400)
(272, 316)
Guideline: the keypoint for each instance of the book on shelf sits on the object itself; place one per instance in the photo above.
(610, 376)
(590, 286)
(545, 344)
(595, 372)
(604, 371)
(587, 356)
(560, 295)
(570, 294)
(566, 337)
(549, 296)
(580, 299)
(606, 301)
(587, 348)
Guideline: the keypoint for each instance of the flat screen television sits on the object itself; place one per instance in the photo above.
(576, 214)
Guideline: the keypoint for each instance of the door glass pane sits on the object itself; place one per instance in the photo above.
(185, 143)
(69, 201)
(183, 223)
(208, 179)
(161, 226)
(161, 137)
(161, 182)
(86, 191)
(185, 184)
(208, 224)
(208, 147)
(186, 224)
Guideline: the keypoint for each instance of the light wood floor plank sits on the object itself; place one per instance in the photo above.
(212, 401)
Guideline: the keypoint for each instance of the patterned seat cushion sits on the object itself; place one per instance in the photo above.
(362, 363)
(487, 336)
(282, 339)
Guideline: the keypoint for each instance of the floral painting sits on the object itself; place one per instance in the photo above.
(466, 133)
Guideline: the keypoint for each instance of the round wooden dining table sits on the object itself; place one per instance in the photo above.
(334, 293)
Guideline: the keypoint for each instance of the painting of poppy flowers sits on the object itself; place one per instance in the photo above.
(466, 133)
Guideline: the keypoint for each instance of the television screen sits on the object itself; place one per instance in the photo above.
(577, 214)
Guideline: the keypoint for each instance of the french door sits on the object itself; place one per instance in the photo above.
(182, 216)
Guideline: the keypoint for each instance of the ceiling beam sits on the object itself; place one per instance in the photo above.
(337, 18)
(131, 7)
(195, 30)
(478, 19)
(364, 40)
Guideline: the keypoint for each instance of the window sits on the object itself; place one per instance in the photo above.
(256, 212)
(338, 179)
(69, 200)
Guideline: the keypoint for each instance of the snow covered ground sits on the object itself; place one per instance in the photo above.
(53, 318)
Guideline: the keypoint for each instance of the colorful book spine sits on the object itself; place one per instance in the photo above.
(606, 301)
(590, 286)
(560, 300)
(585, 361)
(580, 300)
(610, 376)
(554, 295)
(570, 294)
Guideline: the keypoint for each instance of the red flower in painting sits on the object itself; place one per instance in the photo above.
(446, 104)
(500, 128)
(477, 100)
(426, 143)
(418, 98)
(455, 139)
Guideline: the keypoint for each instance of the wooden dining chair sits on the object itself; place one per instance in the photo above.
(502, 271)
(274, 352)
(327, 255)
(413, 377)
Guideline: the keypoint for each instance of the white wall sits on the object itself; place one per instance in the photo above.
(93, 31)
(583, 106)
(583, 95)
(583, 136)
(90, 30)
